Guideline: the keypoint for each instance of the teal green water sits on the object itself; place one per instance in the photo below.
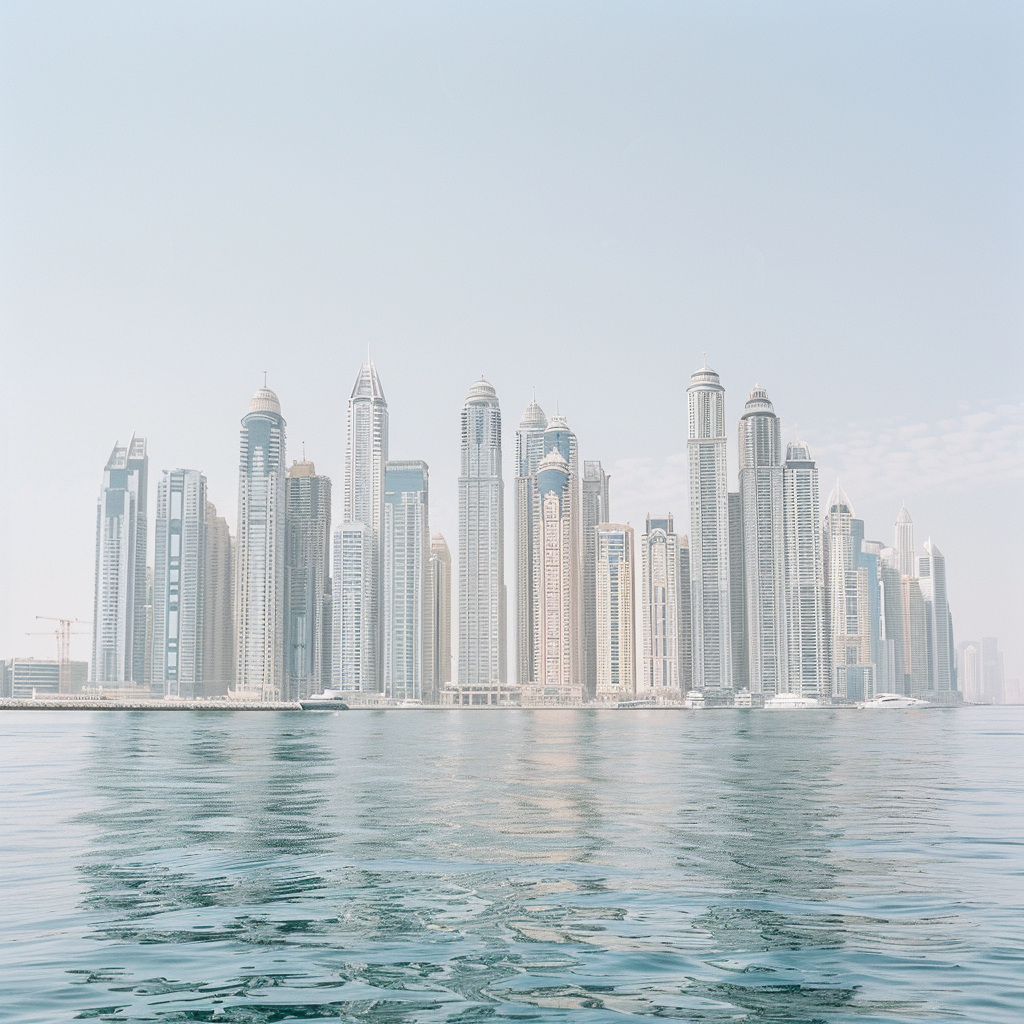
(523, 865)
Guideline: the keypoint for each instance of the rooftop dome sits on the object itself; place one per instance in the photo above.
(265, 401)
(553, 460)
(758, 401)
(481, 391)
(533, 417)
(558, 422)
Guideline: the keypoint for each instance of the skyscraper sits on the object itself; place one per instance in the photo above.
(906, 555)
(760, 475)
(737, 596)
(615, 621)
(931, 571)
(366, 454)
(807, 674)
(709, 531)
(659, 608)
(354, 662)
(558, 653)
(593, 512)
(529, 452)
(685, 619)
(218, 607)
(260, 575)
(483, 655)
(119, 607)
(179, 584)
(915, 637)
(892, 671)
(440, 577)
(407, 594)
(307, 568)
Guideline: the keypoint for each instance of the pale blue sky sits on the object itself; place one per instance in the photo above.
(581, 197)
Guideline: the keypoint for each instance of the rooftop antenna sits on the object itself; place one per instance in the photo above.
(303, 451)
(264, 378)
(705, 360)
(367, 353)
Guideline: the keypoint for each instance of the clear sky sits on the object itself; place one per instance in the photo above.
(580, 197)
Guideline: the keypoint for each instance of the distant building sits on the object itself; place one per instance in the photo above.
(991, 671)
(31, 677)
(354, 663)
(709, 532)
(969, 670)
(307, 575)
(218, 607)
(179, 584)
(660, 595)
(593, 512)
(906, 553)
(915, 637)
(440, 577)
(483, 642)
(892, 672)
(931, 571)
(407, 594)
(684, 619)
(260, 564)
(615, 625)
(119, 608)
(740, 658)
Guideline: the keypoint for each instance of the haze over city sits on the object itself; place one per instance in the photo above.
(827, 205)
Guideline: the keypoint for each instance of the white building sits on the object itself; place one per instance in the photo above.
(366, 454)
(440, 577)
(660, 596)
(260, 576)
(408, 658)
(483, 645)
(354, 661)
(218, 607)
(931, 571)
(804, 583)
(615, 625)
(906, 554)
(119, 606)
(685, 618)
(593, 512)
(529, 452)
(179, 584)
(709, 531)
(761, 496)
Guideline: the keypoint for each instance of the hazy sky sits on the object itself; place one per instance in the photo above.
(578, 197)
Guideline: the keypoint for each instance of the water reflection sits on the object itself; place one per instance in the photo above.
(468, 865)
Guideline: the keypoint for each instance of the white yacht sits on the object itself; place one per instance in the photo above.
(329, 700)
(790, 702)
(894, 700)
(694, 699)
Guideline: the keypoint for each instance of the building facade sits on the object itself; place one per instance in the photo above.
(615, 625)
(529, 452)
(260, 575)
(709, 532)
(660, 593)
(179, 584)
(307, 576)
(440, 577)
(119, 604)
(931, 571)
(218, 607)
(483, 642)
(593, 512)
(408, 658)
(685, 619)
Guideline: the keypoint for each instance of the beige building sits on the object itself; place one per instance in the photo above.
(615, 628)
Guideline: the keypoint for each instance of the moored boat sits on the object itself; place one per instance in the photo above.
(790, 702)
(893, 700)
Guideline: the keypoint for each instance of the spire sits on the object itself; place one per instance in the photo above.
(368, 384)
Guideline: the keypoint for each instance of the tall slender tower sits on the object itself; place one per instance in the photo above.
(593, 511)
(260, 575)
(760, 473)
(660, 594)
(441, 612)
(615, 621)
(483, 654)
(906, 555)
(218, 607)
(709, 531)
(558, 652)
(804, 575)
(529, 452)
(941, 654)
(119, 609)
(366, 454)
(179, 584)
(685, 619)
(308, 571)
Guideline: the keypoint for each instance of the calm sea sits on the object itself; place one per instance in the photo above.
(513, 865)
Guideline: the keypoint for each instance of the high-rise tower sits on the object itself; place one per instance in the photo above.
(615, 621)
(483, 654)
(660, 593)
(179, 584)
(308, 573)
(119, 609)
(906, 555)
(931, 570)
(366, 454)
(529, 452)
(593, 512)
(709, 531)
(218, 607)
(760, 475)
(804, 586)
(260, 572)
(441, 616)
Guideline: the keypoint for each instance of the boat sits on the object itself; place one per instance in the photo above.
(329, 700)
(694, 699)
(893, 700)
(790, 702)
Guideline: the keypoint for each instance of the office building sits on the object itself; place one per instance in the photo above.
(709, 532)
(483, 643)
(218, 607)
(119, 606)
(931, 571)
(737, 595)
(915, 637)
(764, 569)
(307, 574)
(684, 619)
(407, 593)
(615, 625)
(440, 577)
(179, 584)
(593, 512)
(354, 662)
(906, 554)
(260, 562)
(660, 594)
(529, 452)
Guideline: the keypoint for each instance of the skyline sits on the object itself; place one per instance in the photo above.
(828, 201)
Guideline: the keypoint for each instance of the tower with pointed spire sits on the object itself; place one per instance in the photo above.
(906, 556)
(529, 452)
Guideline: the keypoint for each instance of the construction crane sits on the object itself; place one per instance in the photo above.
(63, 634)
